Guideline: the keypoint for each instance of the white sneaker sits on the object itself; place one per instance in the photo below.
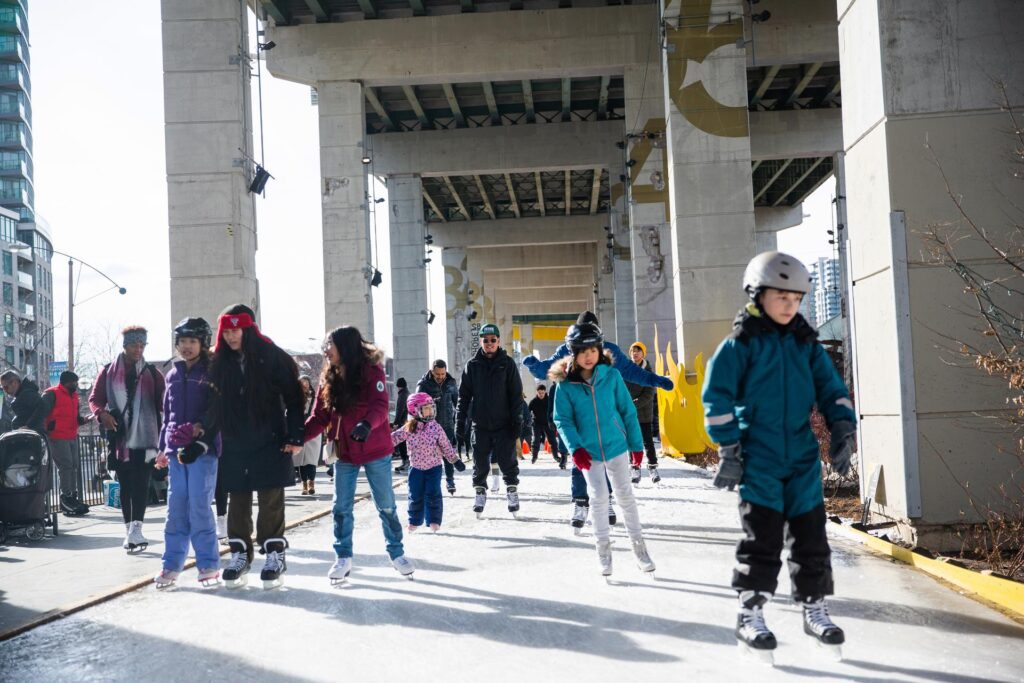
(404, 566)
(222, 527)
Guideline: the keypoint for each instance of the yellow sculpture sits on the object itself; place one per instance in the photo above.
(681, 411)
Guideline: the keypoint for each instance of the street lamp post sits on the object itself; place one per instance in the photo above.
(71, 293)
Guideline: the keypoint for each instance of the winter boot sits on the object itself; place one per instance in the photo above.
(275, 566)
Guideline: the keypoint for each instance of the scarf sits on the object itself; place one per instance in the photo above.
(142, 425)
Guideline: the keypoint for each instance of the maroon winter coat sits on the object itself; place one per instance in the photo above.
(372, 406)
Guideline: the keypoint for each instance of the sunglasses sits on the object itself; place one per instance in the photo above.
(489, 340)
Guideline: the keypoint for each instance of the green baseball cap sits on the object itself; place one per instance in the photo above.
(490, 328)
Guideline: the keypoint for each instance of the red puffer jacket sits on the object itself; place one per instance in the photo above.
(371, 406)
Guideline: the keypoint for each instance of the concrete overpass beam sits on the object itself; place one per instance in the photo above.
(798, 32)
(796, 133)
(346, 245)
(210, 213)
(712, 209)
(490, 150)
(408, 276)
(769, 220)
(509, 232)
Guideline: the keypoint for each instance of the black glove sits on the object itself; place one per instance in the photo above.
(841, 446)
(730, 466)
(459, 465)
(360, 432)
(190, 453)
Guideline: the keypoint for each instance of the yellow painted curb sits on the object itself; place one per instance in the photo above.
(1005, 593)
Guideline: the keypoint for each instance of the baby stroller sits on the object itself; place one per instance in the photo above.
(25, 482)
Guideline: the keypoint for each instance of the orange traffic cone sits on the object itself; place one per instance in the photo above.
(526, 448)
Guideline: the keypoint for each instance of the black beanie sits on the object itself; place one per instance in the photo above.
(401, 383)
(68, 376)
(587, 317)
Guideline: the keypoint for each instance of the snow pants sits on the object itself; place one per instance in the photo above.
(425, 496)
(616, 471)
(579, 485)
(503, 444)
(189, 517)
(647, 432)
(758, 554)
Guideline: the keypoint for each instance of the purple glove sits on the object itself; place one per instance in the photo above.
(180, 436)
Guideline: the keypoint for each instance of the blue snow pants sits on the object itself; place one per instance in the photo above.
(189, 516)
(425, 496)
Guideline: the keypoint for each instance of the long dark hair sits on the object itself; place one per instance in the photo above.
(340, 386)
(240, 397)
(573, 374)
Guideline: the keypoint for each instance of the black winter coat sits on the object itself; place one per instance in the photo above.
(401, 409)
(540, 409)
(643, 398)
(251, 457)
(494, 387)
(25, 407)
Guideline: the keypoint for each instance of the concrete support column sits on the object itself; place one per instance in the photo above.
(344, 195)
(921, 109)
(711, 204)
(210, 213)
(408, 276)
(456, 302)
(650, 234)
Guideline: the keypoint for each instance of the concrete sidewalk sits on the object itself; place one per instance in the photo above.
(85, 561)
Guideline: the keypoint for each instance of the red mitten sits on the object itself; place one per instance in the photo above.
(581, 458)
(638, 457)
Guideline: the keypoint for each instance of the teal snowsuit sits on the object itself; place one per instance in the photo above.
(759, 390)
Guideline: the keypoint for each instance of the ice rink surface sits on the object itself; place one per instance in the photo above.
(499, 599)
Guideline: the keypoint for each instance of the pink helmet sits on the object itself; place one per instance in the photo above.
(416, 401)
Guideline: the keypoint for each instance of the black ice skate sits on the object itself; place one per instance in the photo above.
(635, 475)
(612, 518)
(579, 515)
(819, 626)
(275, 566)
(451, 487)
(236, 574)
(512, 493)
(71, 506)
(752, 633)
(480, 501)
(655, 477)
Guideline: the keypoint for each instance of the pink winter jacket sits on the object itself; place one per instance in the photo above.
(371, 406)
(426, 445)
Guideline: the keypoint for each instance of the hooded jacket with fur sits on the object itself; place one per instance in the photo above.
(598, 416)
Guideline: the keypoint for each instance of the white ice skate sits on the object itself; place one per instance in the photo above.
(579, 515)
(480, 501)
(604, 557)
(655, 477)
(643, 558)
(512, 494)
(495, 482)
(635, 476)
(752, 634)
(135, 540)
(404, 566)
(127, 533)
(166, 579)
(819, 626)
(340, 570)
(209, 577)
(222, 529)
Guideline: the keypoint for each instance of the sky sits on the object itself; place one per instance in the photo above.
(100, 180)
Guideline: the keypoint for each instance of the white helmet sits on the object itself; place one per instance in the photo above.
(778, 271)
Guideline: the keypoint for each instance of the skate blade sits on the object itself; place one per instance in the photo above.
(166, 587)
(271, 584)
(133, 549)
(834, 652)
(207, 584)
(766, 657)
(338, 583)
(514, 513)
(479, 514)
(240, 582)
(577, 531)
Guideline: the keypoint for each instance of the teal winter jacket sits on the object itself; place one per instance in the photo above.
(759, 390)
(599, 417)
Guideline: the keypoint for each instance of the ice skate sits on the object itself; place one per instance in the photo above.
(495, 481)
(634, 477)
(340, 570)
(512, 493)
(655, 477)
(643, 558)
(275, 566)
(135, 541)
(604, 557)
(209, 577)
(480, 501)
(434, 528)
(752, 634)
(579, 515)
(71, 506)
(412, 528)
(612, 518)
(450, 485)
(222, 529)
(127, 533)
(819, 626)
(404, 566)
(236, 574)
(166, 579)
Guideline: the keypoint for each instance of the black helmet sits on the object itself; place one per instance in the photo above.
(583, 336)
(196, 328)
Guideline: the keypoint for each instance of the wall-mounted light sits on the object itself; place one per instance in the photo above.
(269, 45)
(430, 316)
(631, 163)
(366, 159)
(379, 201)
(471, 316)
(428, 238)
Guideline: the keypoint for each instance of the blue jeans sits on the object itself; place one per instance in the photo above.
(189, 517)
(579, 485)
(425, 491)
(378, 475)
